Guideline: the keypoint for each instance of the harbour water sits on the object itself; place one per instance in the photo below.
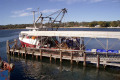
(31, 69)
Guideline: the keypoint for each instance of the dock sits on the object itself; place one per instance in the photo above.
(14, 48)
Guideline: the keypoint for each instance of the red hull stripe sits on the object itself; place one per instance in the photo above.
(27, 45)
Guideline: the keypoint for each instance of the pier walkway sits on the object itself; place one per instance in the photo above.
(65, 54)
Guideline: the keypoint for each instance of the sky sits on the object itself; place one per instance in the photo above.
(19, 11)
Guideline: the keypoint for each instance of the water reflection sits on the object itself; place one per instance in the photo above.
(37, 70)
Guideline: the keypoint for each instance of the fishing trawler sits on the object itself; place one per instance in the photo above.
(35, 41)
(49, 37)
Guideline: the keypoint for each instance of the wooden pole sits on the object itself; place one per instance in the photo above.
(40, 54)
(36, 57)
(77, 62)
(104, 65)
(14, 46)
(15, 43)
(33, 54)
(98, 61)
(55, 59)
(60, 56)
(18, 53)
(82, 43)
(60, 51)
(22, 54)
(84, 63)
(107, 48)
(25, 51)
(71, 57)
(50, 58)
(13, 51)
(7, 45)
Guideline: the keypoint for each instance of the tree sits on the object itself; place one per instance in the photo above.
(113, 24)
(93, 24)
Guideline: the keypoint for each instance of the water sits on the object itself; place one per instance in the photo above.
(30, 69)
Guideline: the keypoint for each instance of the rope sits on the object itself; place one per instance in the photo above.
(44, 42)
(114, 44)
(87, 42)
(100, 43)
(54, 42)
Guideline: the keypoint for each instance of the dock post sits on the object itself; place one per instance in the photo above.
(33, 54)
(50, 58)
(18, 53)
(36, 57)
(25, 51)
(84, 63)
(40, 54)
(13, 51)
(83, 46)
(104, 65)
(71, 57)
(22, 54)
(7, 47)
(98, 61)
(77, 62)
(55, 59)
(107, 48)
(60, 56)
(14, 46)
(15, 42)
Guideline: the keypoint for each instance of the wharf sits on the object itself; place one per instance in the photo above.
(64, 54)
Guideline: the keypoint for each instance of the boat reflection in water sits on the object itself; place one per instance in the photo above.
(44, 70)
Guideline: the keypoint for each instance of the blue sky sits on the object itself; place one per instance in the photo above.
(19, 11)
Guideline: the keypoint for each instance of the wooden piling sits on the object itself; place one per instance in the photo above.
(40, 54)
(33, 54)
(13, 50)
(84, 56)
(18, 53)
(60, 56)
(104, 65)
(50, 58)
(98, 61)
(71, 57)
(22, 54)
(77, 62)
(7, 46)
(25, 51)
(36, 57)
(55, 59)
(15, 43)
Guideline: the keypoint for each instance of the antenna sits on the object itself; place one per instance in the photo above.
(38, 12)
(34, 18)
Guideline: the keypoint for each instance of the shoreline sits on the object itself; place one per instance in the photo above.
(68, 27)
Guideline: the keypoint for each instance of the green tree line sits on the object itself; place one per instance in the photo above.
(67, 24)
(15, 26)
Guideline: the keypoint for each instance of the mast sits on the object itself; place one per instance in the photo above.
(58, 19)
(34, 18)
